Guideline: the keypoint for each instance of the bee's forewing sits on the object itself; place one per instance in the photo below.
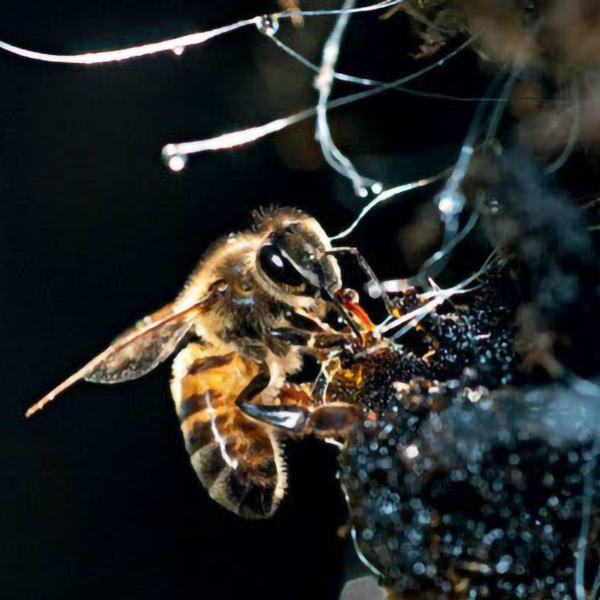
(140, 349)
(133, 356)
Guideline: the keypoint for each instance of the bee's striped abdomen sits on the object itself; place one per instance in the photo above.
(237, 461)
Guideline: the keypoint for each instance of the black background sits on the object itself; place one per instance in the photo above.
(97, 498)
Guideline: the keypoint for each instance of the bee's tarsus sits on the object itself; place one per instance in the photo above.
(332, 419)
(325, 420)
(290, 417)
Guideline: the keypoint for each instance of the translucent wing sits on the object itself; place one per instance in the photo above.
(143, 353)
(141, 348)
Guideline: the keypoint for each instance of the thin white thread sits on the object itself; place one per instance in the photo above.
(366, 81)
(176, 44)
(588, 493)
(573, 134)
(244, 136)
(324, 85)
(381, 198)
(439, 296)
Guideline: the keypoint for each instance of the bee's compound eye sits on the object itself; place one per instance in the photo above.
(278, 268)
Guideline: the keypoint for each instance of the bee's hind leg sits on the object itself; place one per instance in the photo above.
(326, 420)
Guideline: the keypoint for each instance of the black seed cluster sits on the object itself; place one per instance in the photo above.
(468, 484)
(458, 492)
(475, 473)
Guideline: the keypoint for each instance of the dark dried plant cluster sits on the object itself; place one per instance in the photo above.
(478, 476)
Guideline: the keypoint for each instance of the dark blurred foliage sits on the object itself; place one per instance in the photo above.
(553, 44)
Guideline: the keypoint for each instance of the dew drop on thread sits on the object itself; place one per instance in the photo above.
(268, 25)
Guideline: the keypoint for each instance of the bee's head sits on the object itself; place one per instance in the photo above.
(293, 258)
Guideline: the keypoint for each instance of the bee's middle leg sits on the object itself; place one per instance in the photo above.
(296, 413)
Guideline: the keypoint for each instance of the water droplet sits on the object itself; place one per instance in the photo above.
(411, 451)
(178, 50)
(268, 25)
(504, 564)
(450, 204)
(177, 162)
(173, 158)
(377, 187)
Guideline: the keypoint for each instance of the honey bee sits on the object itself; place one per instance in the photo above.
(254, 305)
